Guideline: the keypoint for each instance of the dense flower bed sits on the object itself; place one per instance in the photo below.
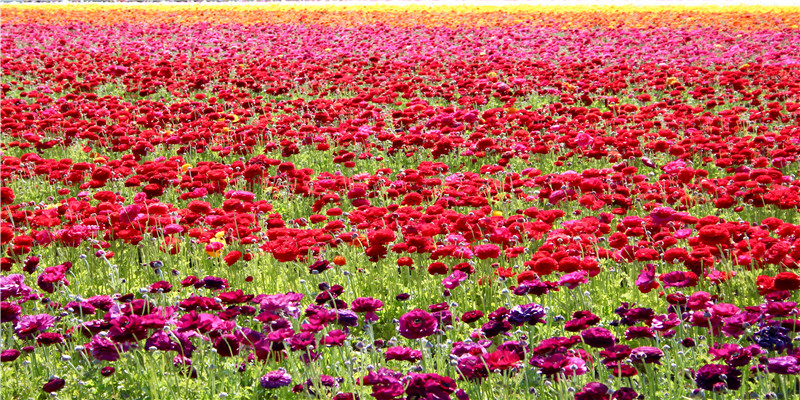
(399, 202)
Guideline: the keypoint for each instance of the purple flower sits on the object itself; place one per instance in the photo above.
(9, 355)
(417, 324)
(494, 328)
(29, 324)
(385, 383)
(646, 281)
(625, 393)
(276, 379)
(593, 391)
(104, 349)
(786, 365)
(773, 338)
(679, 279)
(335, 337)
(346, 318)
(455, 279)
(559, 363)
(288, 303)
(663, 215)
(531, 314)
(646, 355)
(574, 279)
(429, 386)
(717, 377)
(53, 385)
(9, 312)
(367, 305)
(598, 337)
(13, 286)
(534, 287)
(472, 368)
(735, 355)
(401, 353)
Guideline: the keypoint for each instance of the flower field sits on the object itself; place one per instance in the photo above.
(358, 202)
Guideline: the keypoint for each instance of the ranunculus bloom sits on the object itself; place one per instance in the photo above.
(54, 385)
(417, 324)
(598, 337)
(709, 377)
(9, 355)
(276, 379)
(786, 365)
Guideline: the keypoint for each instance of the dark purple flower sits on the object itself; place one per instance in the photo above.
(598, 337)
(494, 328)
(107, 371)
(227, 345)
(472, 368)
(526, 313)
(9, 355)
(534, 287)
(773, 338)
(319, 266)
(471, 316)
(215, 283)
(429, 386)
(593, 391)
(53, 385)
(104, 349)
(9, 312)
(417, 324)
(639, 332)
(276, 379)
(646, 355)
(625, 393)
(346, 318)
(718, 376)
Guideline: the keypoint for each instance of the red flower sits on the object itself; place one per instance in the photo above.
(787, 281)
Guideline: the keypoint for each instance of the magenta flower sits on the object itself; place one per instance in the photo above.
(646, 281)
(574, 279)
(367, 305)
(455, 279)
(417, 324)
(401, 353)
(276, 379)
(786, 365)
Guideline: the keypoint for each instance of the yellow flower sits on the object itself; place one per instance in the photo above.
(185, 167)
(497, 213)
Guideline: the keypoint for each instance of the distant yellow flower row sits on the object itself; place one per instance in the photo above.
(735, 17)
